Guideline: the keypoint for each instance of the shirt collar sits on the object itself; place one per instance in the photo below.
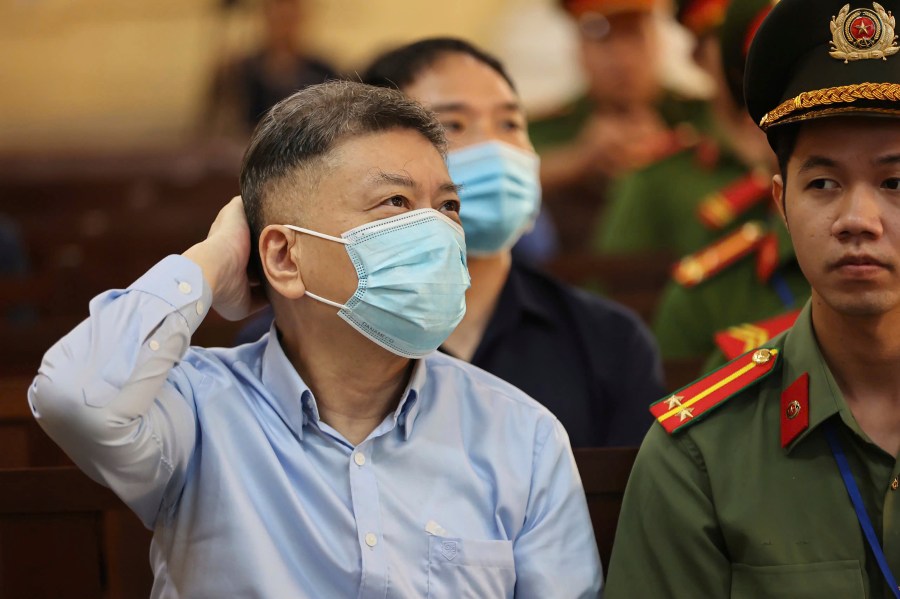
(292, 398)
(802, 355)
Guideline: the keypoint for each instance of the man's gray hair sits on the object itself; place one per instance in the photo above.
(298, 132)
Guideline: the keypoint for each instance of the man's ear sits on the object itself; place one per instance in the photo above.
(778, 197)
(279, 253)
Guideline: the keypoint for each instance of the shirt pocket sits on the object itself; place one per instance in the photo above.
(463, 568)
(842, 579)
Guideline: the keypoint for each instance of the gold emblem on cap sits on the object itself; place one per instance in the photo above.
(761, 356)
(863, 33)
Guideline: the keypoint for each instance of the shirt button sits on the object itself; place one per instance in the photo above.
(184, 287)
(199, 307)
(371, 540)
(895, 484)
(359, 458)
(154, 345)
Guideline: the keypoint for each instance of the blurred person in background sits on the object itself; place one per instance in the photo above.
(624, 121)
(683, 203)
(721, 291)
(244, 88)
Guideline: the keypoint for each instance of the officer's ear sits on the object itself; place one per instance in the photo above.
(778, 197)
(279, 254)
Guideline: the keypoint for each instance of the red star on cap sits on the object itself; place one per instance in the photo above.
(863, 28)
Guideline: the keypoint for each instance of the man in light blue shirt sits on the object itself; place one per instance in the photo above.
(338, 456)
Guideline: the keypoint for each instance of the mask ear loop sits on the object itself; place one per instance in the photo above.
(340, 240)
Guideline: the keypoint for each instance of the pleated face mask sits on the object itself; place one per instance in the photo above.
(412, 280)
(500, 195)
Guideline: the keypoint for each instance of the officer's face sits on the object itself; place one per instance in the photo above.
(472, 101)
(843, 212)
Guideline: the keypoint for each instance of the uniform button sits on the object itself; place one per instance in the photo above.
(371, 540)
(359, 458)
(895, 484)
(200, 307)
(762, 356)
(184, 287)
(154, 344)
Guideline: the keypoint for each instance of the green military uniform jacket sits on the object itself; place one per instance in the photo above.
(720, 509)
(655, 208)
(687, 318)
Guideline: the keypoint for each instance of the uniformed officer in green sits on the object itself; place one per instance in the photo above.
(686, 201)
(743, 488)
(738, 278)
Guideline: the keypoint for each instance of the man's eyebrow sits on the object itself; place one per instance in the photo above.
(890, 159)
(383, 178)
(816, 162)
(451, 188)
(449, 107)
(461, 107)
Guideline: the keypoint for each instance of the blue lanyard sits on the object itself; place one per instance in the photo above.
(860, 509)
(783, 290)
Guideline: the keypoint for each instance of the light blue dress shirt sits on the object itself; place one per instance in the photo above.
(469, 489)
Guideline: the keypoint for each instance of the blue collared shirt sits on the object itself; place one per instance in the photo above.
(469, 489)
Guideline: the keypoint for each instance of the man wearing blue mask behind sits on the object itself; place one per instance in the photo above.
(323, 460)
(591, 362)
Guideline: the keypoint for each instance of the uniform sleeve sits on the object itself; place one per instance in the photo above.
(668, 542)
(109, 393)
(556, 553)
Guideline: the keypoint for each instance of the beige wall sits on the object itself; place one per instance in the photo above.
(131, 73)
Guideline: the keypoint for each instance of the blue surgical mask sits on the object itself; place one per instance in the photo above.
(412, 280)
(501, 194)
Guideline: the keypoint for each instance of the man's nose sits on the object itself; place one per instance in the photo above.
(859, 214)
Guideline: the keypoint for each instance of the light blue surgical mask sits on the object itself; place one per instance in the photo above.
(501, 194)
(412, 280)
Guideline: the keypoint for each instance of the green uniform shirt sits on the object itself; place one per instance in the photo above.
(687, 318)
(720, 509)
(655, 208)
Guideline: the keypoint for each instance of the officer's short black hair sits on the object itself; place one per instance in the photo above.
(400, 67)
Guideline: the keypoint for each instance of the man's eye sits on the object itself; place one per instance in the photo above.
(822, 184)
(453, 126)
(892, 184)
(512, 125)
(396, 201)
(450, 206)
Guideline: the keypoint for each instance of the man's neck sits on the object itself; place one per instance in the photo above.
(489, 275)
(355, 382)
(862, 353)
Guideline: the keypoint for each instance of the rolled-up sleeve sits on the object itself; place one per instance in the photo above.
(109, 392)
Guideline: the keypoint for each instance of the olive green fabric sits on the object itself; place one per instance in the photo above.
(562, 127)
(655, 208)
(720, 509)
(565, 125)
(687, 318)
